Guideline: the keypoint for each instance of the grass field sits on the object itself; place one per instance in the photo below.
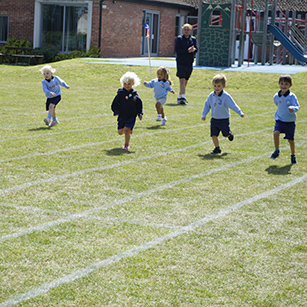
(84, 223)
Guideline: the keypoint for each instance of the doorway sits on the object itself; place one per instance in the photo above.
(153, 19)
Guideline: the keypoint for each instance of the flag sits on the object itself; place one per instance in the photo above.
(146, 25)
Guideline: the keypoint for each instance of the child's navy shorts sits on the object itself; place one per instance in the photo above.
(218, 125)
(53, 100)
(184, 71)
(285, 127)
(125, 122)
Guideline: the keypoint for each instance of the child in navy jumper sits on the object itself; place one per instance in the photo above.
(127, 105)
(219, 101)
(51, 87)
(285, 115)
(161, 85)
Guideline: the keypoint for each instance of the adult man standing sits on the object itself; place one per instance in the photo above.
(185, 48)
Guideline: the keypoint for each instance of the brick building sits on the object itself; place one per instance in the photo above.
(115, 26)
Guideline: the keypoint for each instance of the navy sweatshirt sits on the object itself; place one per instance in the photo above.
(127, 104)
(182, 44)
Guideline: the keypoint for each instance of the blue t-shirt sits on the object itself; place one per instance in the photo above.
(161, 88)
(283, 102)
(220, 105)
(53, 86)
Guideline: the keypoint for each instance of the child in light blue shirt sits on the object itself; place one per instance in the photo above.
(51, 87)
(285, 115)
(161, 85)
(219, 102)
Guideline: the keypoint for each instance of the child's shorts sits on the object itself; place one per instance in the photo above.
(53, 100)
(125, 122)
(184, 71)
(285, 127)
(218, 125)
(162, 101)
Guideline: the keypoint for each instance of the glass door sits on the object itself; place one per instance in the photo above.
(153, 19)
(64, 27)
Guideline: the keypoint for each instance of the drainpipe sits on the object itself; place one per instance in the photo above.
(100, 26)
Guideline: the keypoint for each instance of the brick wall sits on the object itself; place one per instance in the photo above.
(21, 17)
(122, 27)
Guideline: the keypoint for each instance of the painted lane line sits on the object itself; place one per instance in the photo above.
(81, 172)
(99, 143)
(45, 288)
(133, 197)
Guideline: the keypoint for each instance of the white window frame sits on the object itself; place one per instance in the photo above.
(38, 18)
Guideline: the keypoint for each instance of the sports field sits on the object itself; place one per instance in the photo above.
(85, 223)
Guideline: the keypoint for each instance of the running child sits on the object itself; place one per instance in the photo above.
(285, 115)
(219, 101)
(127, 105)
(51, 87)
(161, 85)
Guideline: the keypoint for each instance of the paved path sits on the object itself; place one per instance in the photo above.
(170, 63)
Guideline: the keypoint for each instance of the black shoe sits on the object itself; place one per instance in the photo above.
(293, 159)
(275, 154)
(216, 150)
(231, 136)
(183, 101)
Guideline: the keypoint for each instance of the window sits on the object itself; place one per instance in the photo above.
(4, 28)
(216, 18)
(64, 27)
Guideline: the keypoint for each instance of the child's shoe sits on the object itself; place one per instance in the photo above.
(293, 159)
(54, 123)
(183, 101)
(164, 120)
(159, 118)
(216, 150)
(47, 121)
(231, 136)
(275, 154)
(126, 147)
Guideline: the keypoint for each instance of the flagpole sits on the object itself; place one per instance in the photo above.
(149, 55)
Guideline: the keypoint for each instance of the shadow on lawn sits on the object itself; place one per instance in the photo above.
(279, 170)
(213, 156)
(40, 128)
(118, 152)
(156, 127)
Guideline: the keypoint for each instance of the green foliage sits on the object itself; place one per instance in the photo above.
(93, 52)
(14, 42)
(49, 53)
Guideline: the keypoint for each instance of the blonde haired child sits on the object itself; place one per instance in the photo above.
(161, 85)
(127, 105)
(51, 87)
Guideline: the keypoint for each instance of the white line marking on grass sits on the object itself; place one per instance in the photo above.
(99, 143)
(91, 211)
(45, 288)
(100, 168)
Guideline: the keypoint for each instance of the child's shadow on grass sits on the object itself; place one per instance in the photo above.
(279, 170)
(118, 152)
(175, 104)
(40, 128)
(156, 127)
(213, 156)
